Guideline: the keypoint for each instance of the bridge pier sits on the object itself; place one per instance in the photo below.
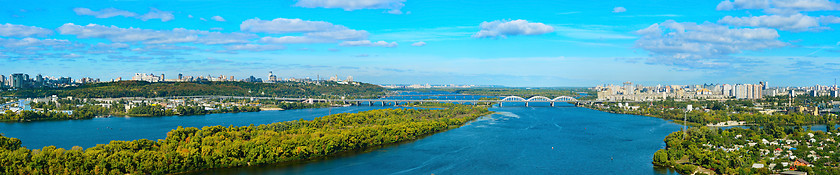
(526, 104)
(552, 104)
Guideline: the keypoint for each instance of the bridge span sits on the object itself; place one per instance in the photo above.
(383, 102)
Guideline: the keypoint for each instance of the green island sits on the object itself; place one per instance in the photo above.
(768, 140)
(193, 149)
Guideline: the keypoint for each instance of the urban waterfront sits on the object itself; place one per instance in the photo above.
(515, 140)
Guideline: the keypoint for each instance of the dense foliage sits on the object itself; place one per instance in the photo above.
(83, 112)
(730, 152)
(166, 89)
(191, 149)
(199, 110)
(289, 106)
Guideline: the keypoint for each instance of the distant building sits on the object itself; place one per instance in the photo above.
(271, 77)
(19, 80)
(253, 79)
(143, 77)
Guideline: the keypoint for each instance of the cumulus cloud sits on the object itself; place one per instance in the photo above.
(157, 14)
(33, 43)
(113, 12)
(504, 28)
(178, 35)
(350, 5)
(15, 30)
(255, 47)
(104, 13)
(779, 6)
(368, 43)
(419, 43)
(218, 18)
(704, 45)
(829, 19)
(313, 31)
(35, 49)
(797, 22)
(292, 40)
(784, 14)
(619, 9)
(283, 25)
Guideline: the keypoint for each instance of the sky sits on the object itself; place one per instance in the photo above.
(522, 43)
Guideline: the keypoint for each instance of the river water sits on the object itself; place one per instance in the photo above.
(515, 140)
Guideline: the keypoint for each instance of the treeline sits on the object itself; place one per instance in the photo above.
(144, 110)
(166, 89)
(199, 110)
(291, 105)
(721, 114)
(192, 149)
(83, 112)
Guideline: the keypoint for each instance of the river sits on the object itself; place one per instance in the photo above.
(514, 140)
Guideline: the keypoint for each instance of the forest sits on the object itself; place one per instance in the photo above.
(192, 149)
(168, 89)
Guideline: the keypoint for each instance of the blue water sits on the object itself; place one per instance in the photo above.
(515, 140)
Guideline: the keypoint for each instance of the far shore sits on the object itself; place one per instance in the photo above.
(272, 109)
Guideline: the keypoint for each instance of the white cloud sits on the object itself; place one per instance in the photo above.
(178, 35)
(283, 25)
(113, 12)
(218, 18)
(104, 13)
(16, 30)
(350, 5)
(340, 34)
(419, 43)
(829, 19)
(37, 44)
(157, 14)
(619, 9)
(504, 28)
(797, 22)
(255, 47)
(292, 40)
(779, 6)
(702, 45)
(314, 31)
(368, 43)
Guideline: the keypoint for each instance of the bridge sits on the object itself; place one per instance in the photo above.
(501, 101)
(383, 102)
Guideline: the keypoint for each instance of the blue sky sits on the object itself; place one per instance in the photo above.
(512, 43)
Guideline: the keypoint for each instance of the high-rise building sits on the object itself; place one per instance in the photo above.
(18, 80)
(2, 81)
(180, 77)
(629, 89)
(39, 80)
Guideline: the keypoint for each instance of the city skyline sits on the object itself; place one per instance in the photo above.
(518, 44)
